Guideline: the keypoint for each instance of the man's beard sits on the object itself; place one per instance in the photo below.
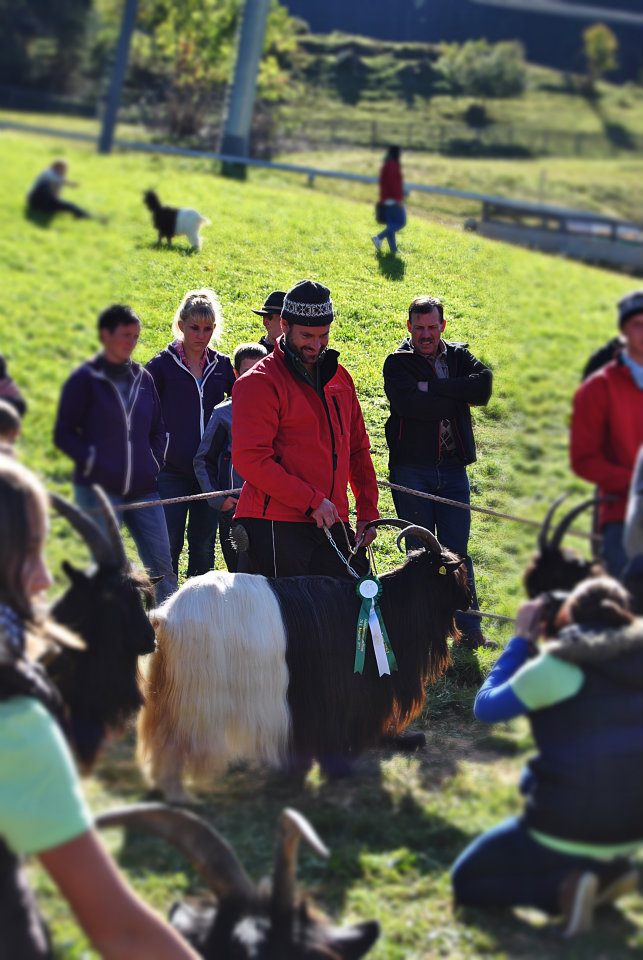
(301, 356)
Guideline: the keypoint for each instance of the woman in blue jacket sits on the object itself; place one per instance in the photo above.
(191, 379)
(583, 814)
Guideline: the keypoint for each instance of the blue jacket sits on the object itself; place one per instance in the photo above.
(213, 460)
(187, 404)
(119, 449)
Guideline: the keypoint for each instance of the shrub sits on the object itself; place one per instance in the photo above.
(483, 69)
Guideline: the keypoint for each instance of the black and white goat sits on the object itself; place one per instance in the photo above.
(105, 606)
(248, 923)
(259, 669)
(554, 567)
(172, 221)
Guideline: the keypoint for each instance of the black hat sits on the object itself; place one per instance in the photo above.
(628, 305)
(309, 304)
(272, 304)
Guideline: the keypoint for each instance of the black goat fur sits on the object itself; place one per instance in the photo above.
(352, 711)
(164, 217)
(557, 569)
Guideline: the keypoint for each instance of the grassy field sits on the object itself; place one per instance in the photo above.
(533, 319)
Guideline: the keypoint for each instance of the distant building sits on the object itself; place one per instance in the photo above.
(554, 41)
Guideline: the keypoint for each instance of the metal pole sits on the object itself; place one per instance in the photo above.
(118, 76)
(240, 100)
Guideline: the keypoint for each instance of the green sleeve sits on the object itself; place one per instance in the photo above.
(41, 800)
(546, 680)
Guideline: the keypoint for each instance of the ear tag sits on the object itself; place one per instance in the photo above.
(442, 570)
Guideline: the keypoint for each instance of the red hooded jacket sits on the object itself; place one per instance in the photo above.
(294, 448)
(606, 433)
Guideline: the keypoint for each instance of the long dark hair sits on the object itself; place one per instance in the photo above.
(598, 600)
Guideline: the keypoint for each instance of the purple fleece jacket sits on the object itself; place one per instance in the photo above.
(188, 404)
(120, 450)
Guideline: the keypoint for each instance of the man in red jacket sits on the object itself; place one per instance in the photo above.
(299, 439)
(607, 429)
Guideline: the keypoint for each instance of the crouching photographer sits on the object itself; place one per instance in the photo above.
(582, 692)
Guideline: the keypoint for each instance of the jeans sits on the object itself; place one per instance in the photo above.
(612, 550)
(201, 522)
(451, 525)
(395, 214)
(148, 530)
(506, 867)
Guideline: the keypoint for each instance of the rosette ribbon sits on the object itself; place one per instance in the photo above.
(369, 589)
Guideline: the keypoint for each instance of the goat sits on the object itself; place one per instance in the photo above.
(249, 923)
(261, 669)
(104, 606)
(554, 567)
(172, 221)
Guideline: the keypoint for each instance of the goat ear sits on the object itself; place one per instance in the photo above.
(76, 576)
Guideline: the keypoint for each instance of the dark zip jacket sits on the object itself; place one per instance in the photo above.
(413, 427)
(187, 404)
(120, 449)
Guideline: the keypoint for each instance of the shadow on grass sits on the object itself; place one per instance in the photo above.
(181, 250)
(391, 266)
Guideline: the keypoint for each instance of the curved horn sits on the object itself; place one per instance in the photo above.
(211, 856)
(111, 523)
(389, 522)
(98, 544)
(544, 530)
(292, 827)
(432, 543)
(567, 520)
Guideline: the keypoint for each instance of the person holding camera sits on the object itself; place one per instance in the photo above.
(582, 692)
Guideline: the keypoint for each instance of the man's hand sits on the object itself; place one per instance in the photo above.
(229, 503)
(529, 620)
(326, 514)
(363, 539)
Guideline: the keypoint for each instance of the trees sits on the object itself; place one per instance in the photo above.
(600, 47)
(483, 69)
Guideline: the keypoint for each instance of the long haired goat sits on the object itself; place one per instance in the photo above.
(248, 923)
(106, 607)
(259, 669)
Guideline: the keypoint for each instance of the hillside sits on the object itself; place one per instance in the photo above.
(395, 829)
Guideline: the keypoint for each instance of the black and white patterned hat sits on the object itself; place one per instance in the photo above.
(309, 304)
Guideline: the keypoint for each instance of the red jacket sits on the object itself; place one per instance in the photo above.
(295, 450)
(606, 433)
(391, 184)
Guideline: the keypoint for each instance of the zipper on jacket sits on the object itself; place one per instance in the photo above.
(339, 416)
(322, 396)
(199, 387)
(128, 424)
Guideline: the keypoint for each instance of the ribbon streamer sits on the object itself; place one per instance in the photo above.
(369, 589)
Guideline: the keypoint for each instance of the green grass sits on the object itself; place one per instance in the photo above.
(532, 318)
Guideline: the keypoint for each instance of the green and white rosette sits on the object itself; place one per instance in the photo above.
(369, 588)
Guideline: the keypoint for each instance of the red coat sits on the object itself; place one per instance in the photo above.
(283, 438)
(391, 183)
(606, 433)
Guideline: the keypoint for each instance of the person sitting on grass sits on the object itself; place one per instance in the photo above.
(42, 808)
(44, 195)
(213, 460)
(569, 851)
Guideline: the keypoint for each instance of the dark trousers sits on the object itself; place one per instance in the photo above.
(280, 548)
(201, 523)
(44, 201)
(506, 867)
(229, 552)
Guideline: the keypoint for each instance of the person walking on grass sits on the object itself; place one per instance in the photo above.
(392, 199)
(607, 430)
(110, 424)
(431, 385)
(191, 379)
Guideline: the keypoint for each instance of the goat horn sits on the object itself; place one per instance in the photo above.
(431, 541)
(292, 827)
(98, 544)
(389, 522)
(567, 520)
(211, 856)
(544, 530)
(111, 524)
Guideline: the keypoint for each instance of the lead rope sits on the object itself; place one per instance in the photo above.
(339, 553)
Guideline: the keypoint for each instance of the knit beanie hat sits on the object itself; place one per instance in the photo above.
(309, 304)
(628, 305)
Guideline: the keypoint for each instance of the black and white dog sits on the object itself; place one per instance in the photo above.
(171, 221)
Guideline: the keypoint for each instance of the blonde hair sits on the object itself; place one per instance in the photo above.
(202, 303)
(23, 509)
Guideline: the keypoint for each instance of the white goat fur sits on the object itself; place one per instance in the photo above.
(216, 689)
(189, 222)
